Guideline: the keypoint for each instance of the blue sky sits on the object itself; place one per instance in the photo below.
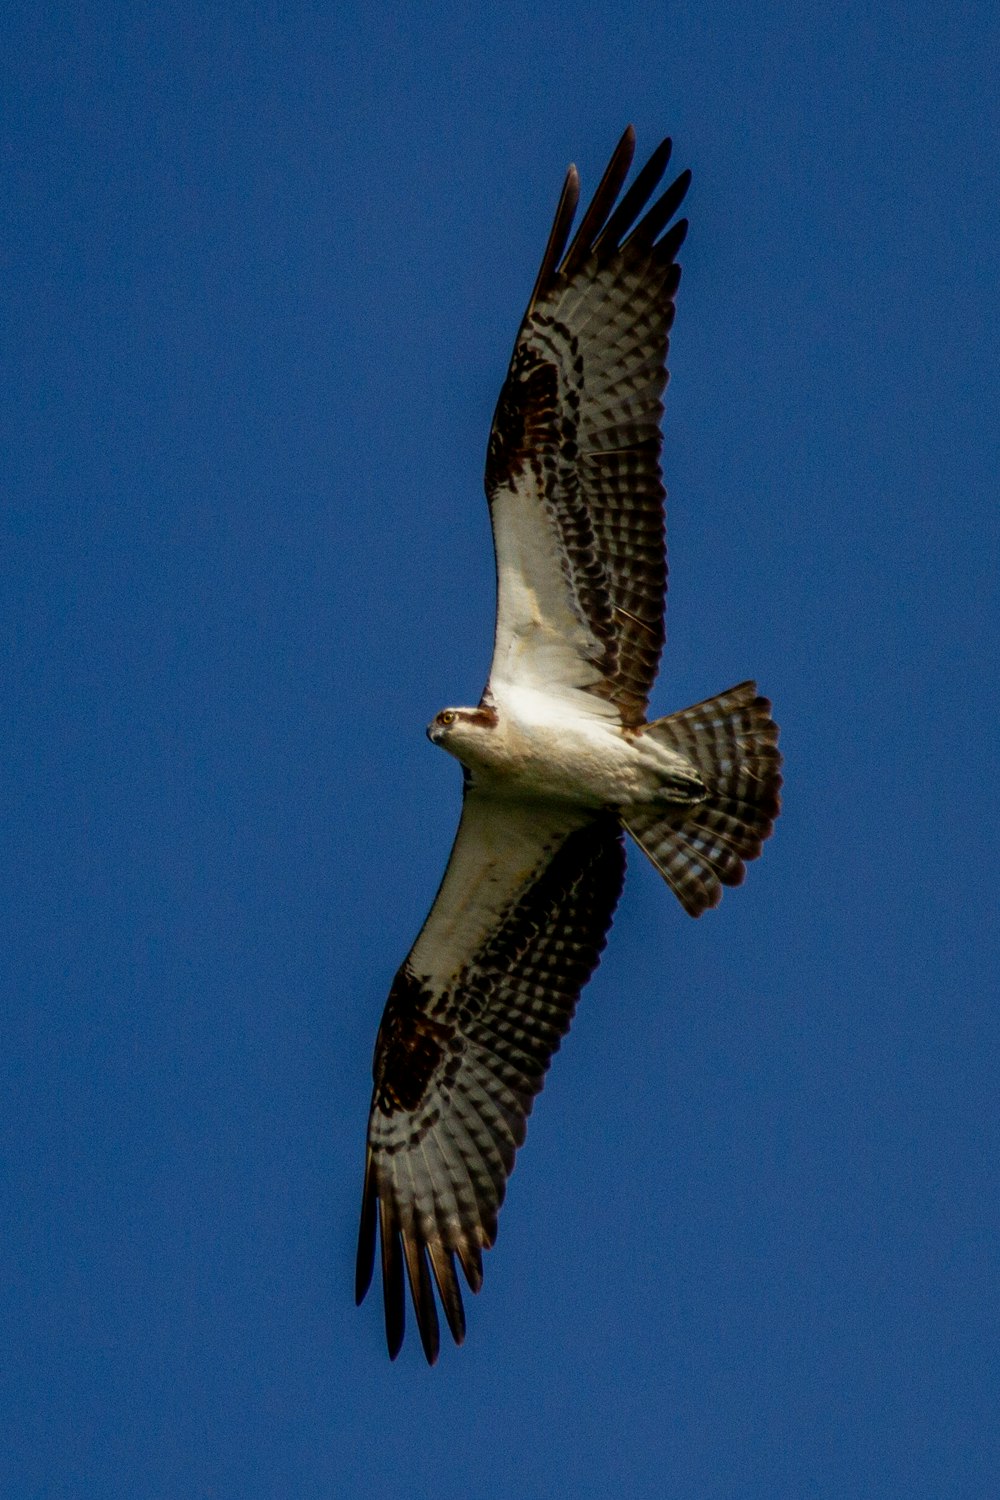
(263, 267)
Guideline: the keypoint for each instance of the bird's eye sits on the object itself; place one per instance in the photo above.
(447, 717)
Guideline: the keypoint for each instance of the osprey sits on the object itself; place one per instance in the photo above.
(559, 761)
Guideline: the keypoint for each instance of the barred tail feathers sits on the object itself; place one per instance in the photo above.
(732, 742)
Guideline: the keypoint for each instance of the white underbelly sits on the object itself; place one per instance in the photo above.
(541, 749)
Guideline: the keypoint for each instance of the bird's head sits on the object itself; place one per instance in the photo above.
(446, 727)
(459, 730)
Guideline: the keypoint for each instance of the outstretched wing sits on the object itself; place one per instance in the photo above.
(573, 469)
(472, 1020)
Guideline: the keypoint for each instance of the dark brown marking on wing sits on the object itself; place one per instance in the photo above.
(524, 424)
(411, 1045)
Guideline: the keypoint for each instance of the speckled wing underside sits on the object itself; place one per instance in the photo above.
(573, 468)
(472, 1020)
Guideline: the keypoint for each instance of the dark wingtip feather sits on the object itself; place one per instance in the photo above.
(443, 1266)
(423, 1297)
(601, 204)
(558, 235)
(471, 1259)
(663, 210)
(392, 1283)
(634, 201)
(365, 1265)
(665, 249)
(606, 228)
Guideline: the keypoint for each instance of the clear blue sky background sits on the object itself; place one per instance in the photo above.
(262, 268)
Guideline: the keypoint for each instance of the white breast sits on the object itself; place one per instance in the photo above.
(549, 747)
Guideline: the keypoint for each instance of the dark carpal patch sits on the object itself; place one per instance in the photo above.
(410, 1047)
(525, 421)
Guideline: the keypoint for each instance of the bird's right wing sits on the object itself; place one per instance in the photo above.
(472, 1020)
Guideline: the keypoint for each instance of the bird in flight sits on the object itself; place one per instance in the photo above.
(559, 761)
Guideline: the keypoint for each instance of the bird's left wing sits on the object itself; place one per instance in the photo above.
(573, 468)
(472, 1020)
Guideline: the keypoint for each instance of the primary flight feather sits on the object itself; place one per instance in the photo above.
(559, 760)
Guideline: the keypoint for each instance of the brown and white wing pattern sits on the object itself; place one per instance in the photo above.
(573, 469)
(472, 1020)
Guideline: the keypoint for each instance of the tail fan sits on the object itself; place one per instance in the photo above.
(699, 847)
